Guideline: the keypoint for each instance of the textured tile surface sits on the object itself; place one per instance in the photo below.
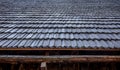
(59, 23)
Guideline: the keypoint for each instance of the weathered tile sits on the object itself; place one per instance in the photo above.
(61, 27)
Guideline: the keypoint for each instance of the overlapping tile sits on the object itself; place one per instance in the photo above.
(61, 24)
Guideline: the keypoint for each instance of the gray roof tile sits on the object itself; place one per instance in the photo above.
(73, 43)
(52, 43)
(68, 43)
(40, 44)
(58, 43)
(6, 44)
(2, 42)
(98, 44)
(80, 44)
(27, 44)
(63, 43)
(22, 43)
(86, 44)
(12, 44)
(83, 25)
(34, 43)
(46, 43)
(117, 44)
(104, 44)
(110, 44)
(16, 43)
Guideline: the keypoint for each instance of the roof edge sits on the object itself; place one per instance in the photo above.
(63, 49)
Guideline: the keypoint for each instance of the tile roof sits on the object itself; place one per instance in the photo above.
(64, 24)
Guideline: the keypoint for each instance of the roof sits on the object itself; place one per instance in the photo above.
(60, 24)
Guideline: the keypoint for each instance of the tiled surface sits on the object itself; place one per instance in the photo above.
(59, 24)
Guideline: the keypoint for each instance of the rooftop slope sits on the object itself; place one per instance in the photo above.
(59, 24)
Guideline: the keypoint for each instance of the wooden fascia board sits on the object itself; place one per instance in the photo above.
(51, 59)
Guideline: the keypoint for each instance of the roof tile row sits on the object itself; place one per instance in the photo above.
(59, 36)
(59, 30)
(59, 43)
